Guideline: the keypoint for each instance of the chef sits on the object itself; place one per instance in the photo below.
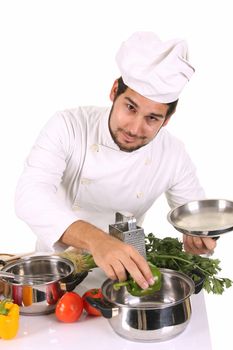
(90, 162)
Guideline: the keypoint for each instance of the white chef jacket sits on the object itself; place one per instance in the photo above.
(76, 171)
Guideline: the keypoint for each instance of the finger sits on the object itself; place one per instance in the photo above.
(119, 270)
(138, 268)
(188, 244)
(193, 245)
(193, 250)
(109, 271)
(144, 268)
(209, 243)
(138, 277)
(197, 243)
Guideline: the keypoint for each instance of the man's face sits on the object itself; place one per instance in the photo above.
(135, 120)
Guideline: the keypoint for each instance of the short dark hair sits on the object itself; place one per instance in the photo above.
(122, 87)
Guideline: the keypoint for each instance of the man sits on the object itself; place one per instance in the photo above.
(89, 163)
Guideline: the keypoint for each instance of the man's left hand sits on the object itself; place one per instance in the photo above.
(198, 245)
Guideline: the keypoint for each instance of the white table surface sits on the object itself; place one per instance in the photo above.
(45, 332)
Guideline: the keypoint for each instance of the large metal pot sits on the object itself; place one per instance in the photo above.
(40, 282)
(151, 318)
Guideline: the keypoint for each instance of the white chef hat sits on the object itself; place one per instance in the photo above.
(155, 69)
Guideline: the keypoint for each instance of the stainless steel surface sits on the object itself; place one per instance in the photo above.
(152, 318)
(126, 229)
(208, 217)
(7, 275)
(37, 296)
(31, 279)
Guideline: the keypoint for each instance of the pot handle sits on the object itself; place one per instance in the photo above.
(106, 308)
(2, 262)
(198, 284)
(77, 279)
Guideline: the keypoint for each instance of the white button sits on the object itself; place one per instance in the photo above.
(85, 181)
(147, 161)
(94, 148)
(76, 206)
(140, 194)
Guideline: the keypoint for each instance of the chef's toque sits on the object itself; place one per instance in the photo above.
(155, 69)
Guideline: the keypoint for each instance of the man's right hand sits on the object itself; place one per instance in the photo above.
(117, 258)
(113, 256)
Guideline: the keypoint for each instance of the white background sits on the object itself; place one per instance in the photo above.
(58, 54)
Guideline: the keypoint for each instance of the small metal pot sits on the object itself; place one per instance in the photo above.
(151, 318)
(44, 280)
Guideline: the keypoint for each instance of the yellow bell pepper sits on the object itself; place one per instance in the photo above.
(9, 319)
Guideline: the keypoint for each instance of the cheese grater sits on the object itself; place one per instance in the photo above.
(126, 229)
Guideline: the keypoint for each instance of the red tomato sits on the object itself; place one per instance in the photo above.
(69, 307)
(95, 293)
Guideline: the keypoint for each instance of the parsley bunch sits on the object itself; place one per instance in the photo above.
(168, 253)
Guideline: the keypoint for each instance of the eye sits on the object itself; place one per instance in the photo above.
(153, 119)
(130, 107)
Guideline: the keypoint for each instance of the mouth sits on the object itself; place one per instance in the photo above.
(126, 141)
(128, 138)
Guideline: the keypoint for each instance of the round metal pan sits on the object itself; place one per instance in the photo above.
(207, 217)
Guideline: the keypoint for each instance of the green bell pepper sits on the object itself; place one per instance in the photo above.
(134, 289)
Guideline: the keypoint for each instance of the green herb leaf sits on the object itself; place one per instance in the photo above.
(168, 253)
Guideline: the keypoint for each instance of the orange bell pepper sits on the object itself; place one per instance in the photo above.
(27, 296)
(9, 319)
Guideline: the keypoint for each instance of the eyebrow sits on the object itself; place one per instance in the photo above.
(136, 106)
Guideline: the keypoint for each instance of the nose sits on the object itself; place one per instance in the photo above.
(135, 126)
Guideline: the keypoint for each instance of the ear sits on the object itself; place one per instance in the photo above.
(114, 90)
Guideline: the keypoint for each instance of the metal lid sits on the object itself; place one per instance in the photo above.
(207, 217)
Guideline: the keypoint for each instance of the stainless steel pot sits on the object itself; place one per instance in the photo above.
(40, 282)
(151, 318)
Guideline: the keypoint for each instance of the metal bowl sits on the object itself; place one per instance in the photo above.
(44, 280)
(203, 218)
